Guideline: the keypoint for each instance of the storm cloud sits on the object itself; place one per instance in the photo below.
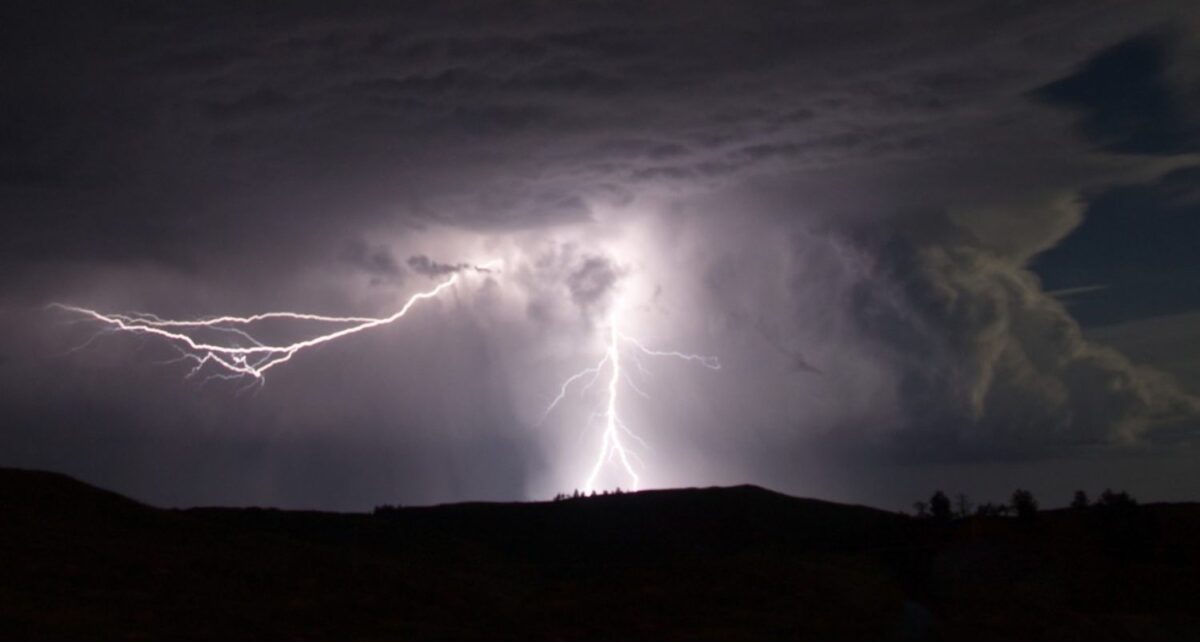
(861, 210)
(426, 266)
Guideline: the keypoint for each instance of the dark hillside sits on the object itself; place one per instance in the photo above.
(631, 527)
(737, 563)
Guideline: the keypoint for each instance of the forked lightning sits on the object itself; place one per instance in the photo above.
(612, 444)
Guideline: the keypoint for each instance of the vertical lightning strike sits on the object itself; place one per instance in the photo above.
(612, 438)
(254, 360)
(615, 429)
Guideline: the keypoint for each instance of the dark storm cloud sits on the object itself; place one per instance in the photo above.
(256, 103)
(567, 282)
(270, 125)
(426, 266)
(377, 261)
(592, 281)
(195, 158)
(798, 361)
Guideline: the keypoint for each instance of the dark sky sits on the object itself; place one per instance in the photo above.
(934, 244)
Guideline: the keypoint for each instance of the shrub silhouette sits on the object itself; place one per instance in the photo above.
(921, 509)
(939, 507)
(988, 509)
(1126, 530)
(962, 506)
(1023, 504)
(1120, 499)
(1080, 501)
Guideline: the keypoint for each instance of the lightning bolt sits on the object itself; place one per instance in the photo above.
(255, 359)
(615, 431)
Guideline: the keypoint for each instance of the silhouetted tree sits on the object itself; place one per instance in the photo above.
(1023, 504)
(921, 509)
(963, 505)
(988, 509)
(1120, 499)
(1080, 501)
(939, 506)
(1126, 529)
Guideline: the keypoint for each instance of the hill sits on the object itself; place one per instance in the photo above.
(738, 563)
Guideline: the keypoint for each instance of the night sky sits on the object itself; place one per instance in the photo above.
(944, 245)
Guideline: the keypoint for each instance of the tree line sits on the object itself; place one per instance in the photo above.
(578, 495)
(1022, 504)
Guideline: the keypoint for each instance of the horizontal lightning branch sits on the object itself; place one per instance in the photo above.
(254, 360)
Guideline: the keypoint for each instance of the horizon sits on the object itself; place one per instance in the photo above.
(974, 504)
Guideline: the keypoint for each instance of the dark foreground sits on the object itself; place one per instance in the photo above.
(79, 563)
